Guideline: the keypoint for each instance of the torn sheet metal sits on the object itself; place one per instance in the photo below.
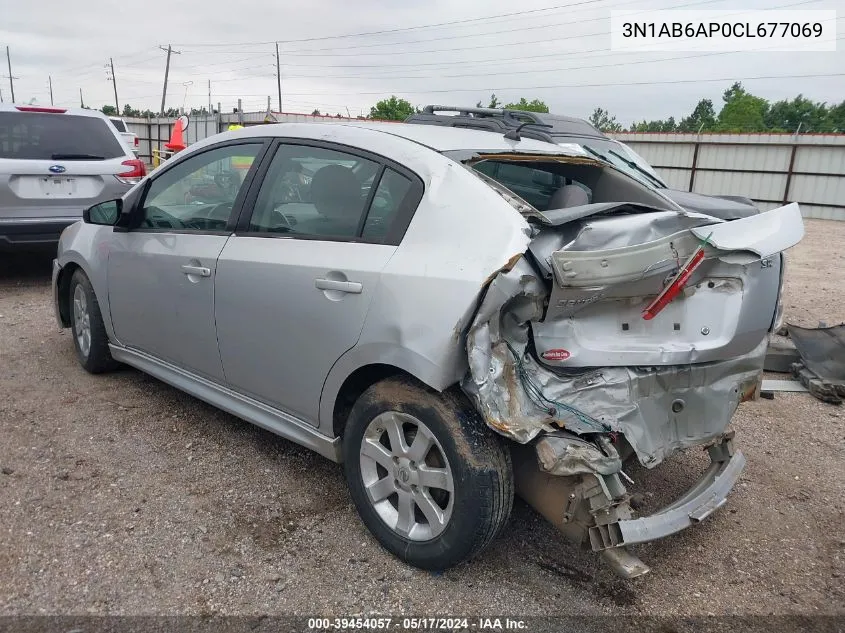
(563, 454)
(764, 234)
(658, 409)
(822, 350)
(821, 368)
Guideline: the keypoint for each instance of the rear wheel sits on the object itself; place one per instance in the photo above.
(89, 333)
(429, 479)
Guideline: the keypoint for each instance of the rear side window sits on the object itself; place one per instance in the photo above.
(120, 125)
(47, 136)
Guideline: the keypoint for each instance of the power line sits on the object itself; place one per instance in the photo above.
(403, 29)
(529, 71)
(553, 86)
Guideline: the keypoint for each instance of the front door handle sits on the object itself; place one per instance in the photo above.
(352, 287)
(199, 271)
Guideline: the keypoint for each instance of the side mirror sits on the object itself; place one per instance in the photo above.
(105, 213)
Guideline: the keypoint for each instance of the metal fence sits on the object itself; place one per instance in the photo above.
(771, 169)
(154, 133)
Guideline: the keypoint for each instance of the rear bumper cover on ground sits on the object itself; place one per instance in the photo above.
(699, 502)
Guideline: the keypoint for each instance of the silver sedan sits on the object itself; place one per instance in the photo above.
(455, 315)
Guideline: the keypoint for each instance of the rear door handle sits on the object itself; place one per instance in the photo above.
(352, 287)
(199, 271)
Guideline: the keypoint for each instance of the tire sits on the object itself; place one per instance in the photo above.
(86, 322)
(404, 500)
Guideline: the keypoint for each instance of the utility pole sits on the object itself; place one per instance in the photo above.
(169, 50)
(50, 81)
(11, 77)
(278, 76)
(113, 80)
(81, 102)
(1, 95)
(210, 109)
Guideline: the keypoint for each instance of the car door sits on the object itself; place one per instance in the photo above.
(161, 274)
(295, 282)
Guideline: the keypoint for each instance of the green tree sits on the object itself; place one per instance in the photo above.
(603, 120)
(742, 112)
(788, 116)
(129, 111)
(392, 109)
(494, 103)
(703, 118)
(109, 110)
(316, 112)
(529, 106)
(835, 119)
(655, 126)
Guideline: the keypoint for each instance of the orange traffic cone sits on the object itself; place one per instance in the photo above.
(177, 140)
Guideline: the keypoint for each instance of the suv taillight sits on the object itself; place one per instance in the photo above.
(135, 174)
(136, 141)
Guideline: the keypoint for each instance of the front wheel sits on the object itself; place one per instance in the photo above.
(89, 333)
(431, 482)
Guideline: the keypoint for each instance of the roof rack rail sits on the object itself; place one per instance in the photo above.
(516, 115)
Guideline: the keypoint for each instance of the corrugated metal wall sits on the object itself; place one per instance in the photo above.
(771, 169)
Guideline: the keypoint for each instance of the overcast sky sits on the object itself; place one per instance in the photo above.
(560, 55)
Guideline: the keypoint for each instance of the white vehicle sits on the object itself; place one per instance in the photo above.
(54, 164)
(130, 138)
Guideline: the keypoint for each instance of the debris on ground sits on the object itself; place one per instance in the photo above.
(821, 368)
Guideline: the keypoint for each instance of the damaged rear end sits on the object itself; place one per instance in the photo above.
(629, 329)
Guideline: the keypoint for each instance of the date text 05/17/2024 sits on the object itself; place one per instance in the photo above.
(454, 625)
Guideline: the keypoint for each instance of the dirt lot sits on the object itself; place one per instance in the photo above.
(120, 495)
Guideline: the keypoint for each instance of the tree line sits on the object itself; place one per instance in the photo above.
(740, 111)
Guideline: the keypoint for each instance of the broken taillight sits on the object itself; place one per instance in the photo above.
(673, 290)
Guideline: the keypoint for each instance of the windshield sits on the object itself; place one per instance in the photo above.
(625, 164)
(617, 154)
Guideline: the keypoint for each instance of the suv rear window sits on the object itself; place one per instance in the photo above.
(40, 136)
(120, 125)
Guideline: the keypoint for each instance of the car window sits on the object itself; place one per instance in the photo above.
(56, 136)
(315, 191)
(390, 195)
(120, 125)
(198, 194)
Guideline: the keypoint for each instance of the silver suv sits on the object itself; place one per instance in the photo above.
(54, 163)
(376, 293)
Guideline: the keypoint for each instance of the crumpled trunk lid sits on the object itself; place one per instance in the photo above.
(614, 266)
(559, 340)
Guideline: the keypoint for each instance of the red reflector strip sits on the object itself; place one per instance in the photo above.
(672, 290)
(40, 109)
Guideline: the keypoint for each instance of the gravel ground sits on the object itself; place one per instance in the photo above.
(121, 495)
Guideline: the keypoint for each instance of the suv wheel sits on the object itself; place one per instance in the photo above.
(89, 334)
(429, 479)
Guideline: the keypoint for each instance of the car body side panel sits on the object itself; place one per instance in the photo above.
(279, 333)
(87, 246)
(462, 233)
